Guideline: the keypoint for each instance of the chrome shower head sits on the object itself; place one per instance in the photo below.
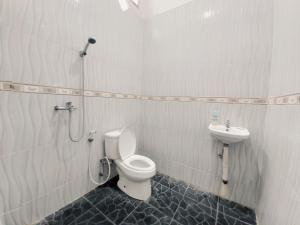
(90, 41)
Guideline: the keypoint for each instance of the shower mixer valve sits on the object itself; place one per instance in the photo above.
(68, 106)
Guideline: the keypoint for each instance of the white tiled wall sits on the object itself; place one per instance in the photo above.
(204, 48)
(207, 48)
(176, 136)
(40, 169)
(280, 189)
(39, 162)
(40, 41)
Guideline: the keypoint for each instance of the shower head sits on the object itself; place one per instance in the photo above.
(90, 41)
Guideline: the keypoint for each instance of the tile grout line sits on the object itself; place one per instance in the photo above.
(94, 206)
(158, 182)
(203, 204)
(217, 211)
(189, 185)
(237, 219)
(131, 212)
(217, 214)
(179, 203)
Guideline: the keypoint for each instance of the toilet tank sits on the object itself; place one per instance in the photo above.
(111, 140)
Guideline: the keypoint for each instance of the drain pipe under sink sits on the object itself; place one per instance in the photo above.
(225, 163)
(224, 156)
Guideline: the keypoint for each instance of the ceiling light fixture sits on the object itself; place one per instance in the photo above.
(125, 4)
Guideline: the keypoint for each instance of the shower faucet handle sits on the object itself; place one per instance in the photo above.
(68, 106)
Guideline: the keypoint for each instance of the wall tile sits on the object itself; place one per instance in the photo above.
(279, 198)
(40, 169)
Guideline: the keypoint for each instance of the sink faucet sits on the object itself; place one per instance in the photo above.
(227, 124)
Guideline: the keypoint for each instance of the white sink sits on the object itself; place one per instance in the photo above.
(230, 136)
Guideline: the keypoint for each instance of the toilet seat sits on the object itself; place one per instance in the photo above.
(139, 163)
(127, 144)
(137, 167)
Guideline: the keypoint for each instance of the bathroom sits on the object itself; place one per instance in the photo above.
(148, 112)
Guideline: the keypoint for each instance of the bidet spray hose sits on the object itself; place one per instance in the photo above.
(90, 171)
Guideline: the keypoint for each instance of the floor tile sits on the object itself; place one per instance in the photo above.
(69, 213)
(227, 220)
(206, 199)
(191, 212)
(157, 177)
(237, 211)
(117, 206)
(171, 203)
(98, 194)
(164, 199)
(92, 217)
(173, 184)
(174, 222)
(146, 214)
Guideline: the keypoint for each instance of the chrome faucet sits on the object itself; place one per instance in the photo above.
(227, 124)
(68, 107)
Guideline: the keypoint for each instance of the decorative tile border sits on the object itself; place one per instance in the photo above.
(292, 99)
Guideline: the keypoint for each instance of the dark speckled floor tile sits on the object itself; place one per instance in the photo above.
(98, 194)
(92, 217)
(237, 211)
(157, 177)
(146, 214)
(204, 198)
(165, 199)
(117, 206)
(227, 220)
(69, 213)
(194, 213)
(171, 203)
(173, 184)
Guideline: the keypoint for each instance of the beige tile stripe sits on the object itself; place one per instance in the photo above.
(293, 99)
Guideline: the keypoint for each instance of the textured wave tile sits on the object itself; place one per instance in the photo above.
(169, 133)
(37, 158)
(46, 37)
(41, 41)
(200, 49)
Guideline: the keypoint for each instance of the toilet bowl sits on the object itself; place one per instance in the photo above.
(135, 171)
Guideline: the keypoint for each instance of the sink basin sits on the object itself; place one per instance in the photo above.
(233, 135)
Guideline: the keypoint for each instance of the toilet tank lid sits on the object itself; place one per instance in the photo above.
(114, 134)
(127, 144)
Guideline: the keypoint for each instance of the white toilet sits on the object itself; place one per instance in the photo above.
(135, 171)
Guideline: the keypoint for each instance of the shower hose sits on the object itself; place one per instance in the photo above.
(73, 139)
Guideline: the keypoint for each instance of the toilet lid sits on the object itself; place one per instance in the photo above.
(127, 144)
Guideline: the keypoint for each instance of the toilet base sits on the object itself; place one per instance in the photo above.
(140, 190)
